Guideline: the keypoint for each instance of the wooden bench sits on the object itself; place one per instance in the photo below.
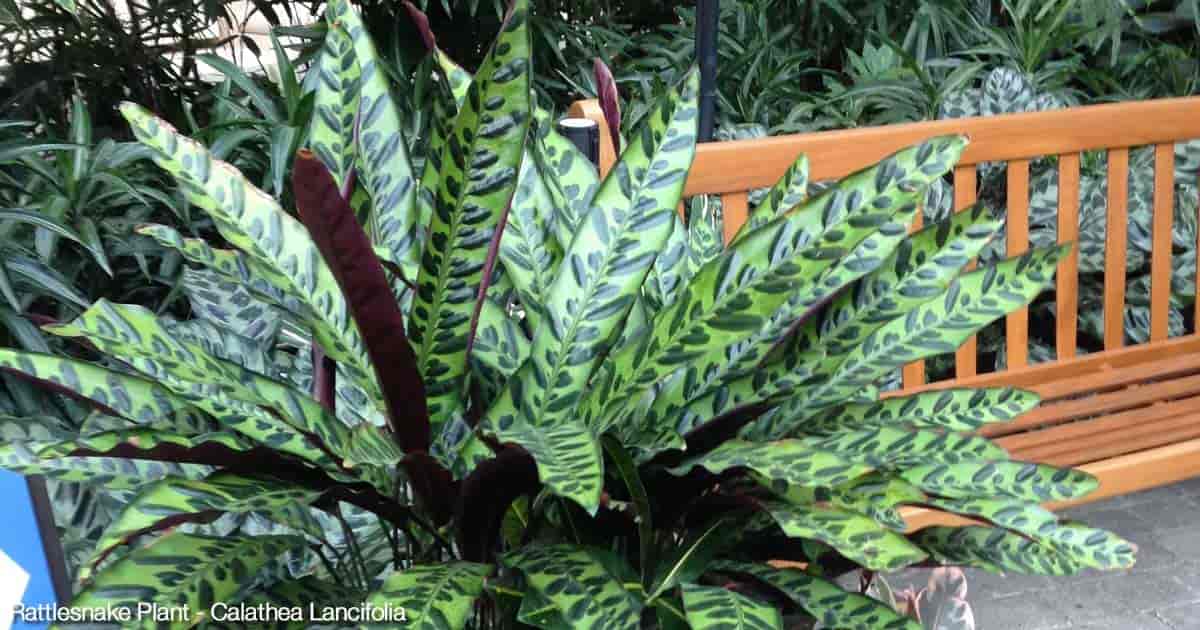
(1129, 415)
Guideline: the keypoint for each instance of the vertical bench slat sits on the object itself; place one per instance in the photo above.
(913, 374)
(966, 358)
(1067, 279)
(735, 208)
(1160, 253)
(1115, 240)
(1016, 329)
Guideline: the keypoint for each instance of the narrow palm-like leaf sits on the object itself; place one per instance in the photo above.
(347, 252)
(478, 174)
(436, 596)
(715, 608)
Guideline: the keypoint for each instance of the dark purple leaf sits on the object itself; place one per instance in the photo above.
(348, 252)
(422, 23)
(610, 101)
(486, 495)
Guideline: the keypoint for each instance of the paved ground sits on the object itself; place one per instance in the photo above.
(1161, 593)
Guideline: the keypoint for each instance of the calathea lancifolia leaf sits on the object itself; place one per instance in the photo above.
(877, 495)
(143, 439)
(254, 223)
(751, 338)
(135, 334)
(942, 324)
(1019, 480)
(580, 582)
(115, 393)
(916, 272)
(234, 267)
(994, 549)
(857, 537)
(595, 287)
(528, 250)
(336, 103)
(1094, 548)
(383, 165)
(956, 409)
(435, 596)
(790, 190)
(114, 473)
(827, 602)
(184, 570)
(347, 252)
(781, 263)
(713, 608)
(477, 175)
(570, 178)
(172, 502)
(792, 461)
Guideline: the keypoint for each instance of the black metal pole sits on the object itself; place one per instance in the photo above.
(584, 133)
(56, 560)
(707, 17)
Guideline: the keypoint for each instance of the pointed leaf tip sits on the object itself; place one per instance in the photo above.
(610, 104)
(421, 21)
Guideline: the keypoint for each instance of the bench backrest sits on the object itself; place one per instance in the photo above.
(730, 169)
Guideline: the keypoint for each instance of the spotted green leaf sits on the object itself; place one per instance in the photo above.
(113, 473)
(436, 596)
(253, 222)
(789, 263)
(1094, 548)
(478, 174)
(581, 583)
(184, 569)
(888, 446)
(142, 439)
(383, 163)
(916, 272)
(715, 608)
(798, 462)
(1019, 480)
(994, 549)
(336, 101)
(567, 455)
(788, 192)
(605, 264)
(236, 270)
(875, 495)
(135, 334)
(170, 502)
(230, 305)
(827, 602)
(529, 251)
(941, 325)
(116, 393)
(956, 409)
(571, 179)
(857, 537)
